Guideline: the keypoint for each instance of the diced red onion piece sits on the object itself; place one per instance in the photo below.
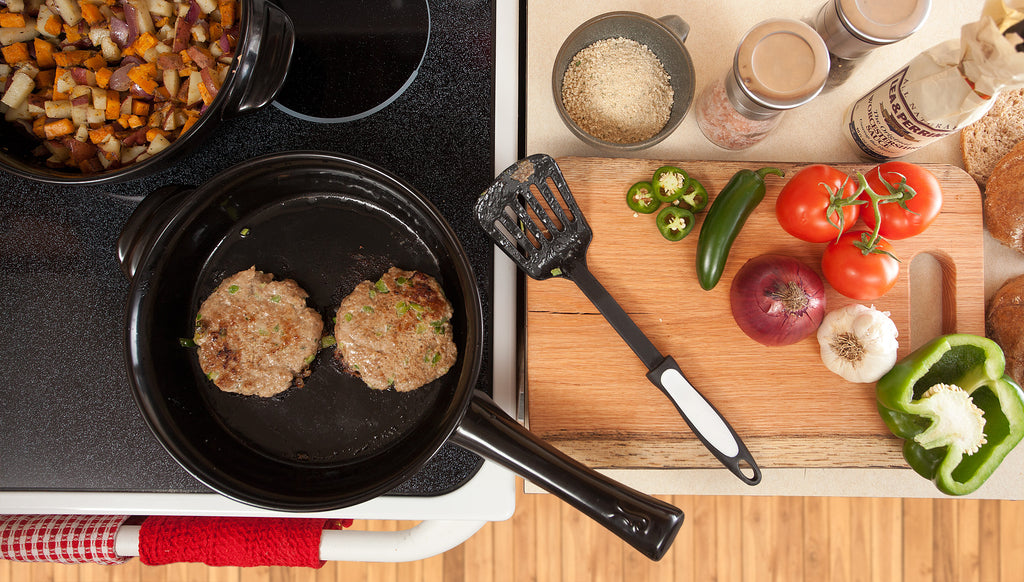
(131, 17)
(119, 32)
(194, 12)
(119, 81)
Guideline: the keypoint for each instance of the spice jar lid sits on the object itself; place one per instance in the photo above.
(883, 22)
(781, 64)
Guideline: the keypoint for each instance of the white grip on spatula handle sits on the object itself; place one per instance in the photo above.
(705, 421)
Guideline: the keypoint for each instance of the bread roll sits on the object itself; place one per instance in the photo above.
(1004, 200)
(1004, 324)
(986, 141)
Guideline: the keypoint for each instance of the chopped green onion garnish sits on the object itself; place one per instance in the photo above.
(367, 309)
(233, 289)
(348, 317)
(556, 272)
(401, 280)
(309, 358)
(275, 298)
(187, 342)
(328, 341)
(381, 287)
(244, 232)
(402, 307)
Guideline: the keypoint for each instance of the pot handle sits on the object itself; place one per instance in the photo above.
(143, 225)
(648, 524)
(263, 66)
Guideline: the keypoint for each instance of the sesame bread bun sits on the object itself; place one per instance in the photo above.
(1004, 200)
(986, 141)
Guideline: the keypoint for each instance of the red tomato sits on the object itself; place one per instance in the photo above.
(856, 275)
(897, 223)
(804, 203)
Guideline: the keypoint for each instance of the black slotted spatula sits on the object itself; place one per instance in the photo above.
(531, 215)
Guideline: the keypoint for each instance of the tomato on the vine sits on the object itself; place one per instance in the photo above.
(858, 275)
(818, 204)
(922, 206)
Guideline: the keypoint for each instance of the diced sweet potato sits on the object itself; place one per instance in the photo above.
(11, 20)
(44, 53)
(15, 53)
(70, 58)
(58, 128)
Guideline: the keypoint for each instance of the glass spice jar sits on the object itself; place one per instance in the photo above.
(853, 28)
(779, 64)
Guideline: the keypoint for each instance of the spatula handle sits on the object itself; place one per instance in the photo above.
(705, 421)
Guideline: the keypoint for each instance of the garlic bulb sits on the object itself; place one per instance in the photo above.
(858, 343)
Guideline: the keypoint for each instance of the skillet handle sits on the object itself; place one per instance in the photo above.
(648, 524)
(144, 225)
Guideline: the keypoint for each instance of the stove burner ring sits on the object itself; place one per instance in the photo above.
(352, 58)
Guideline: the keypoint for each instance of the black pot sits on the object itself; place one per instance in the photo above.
(264, 50)
(328, 222)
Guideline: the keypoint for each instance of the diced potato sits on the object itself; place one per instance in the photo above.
(99, 98)
(194, 94)
(44, 25)
(82, 133)
(97, 34)
(9, 36)
(207, 6)
(95, 116)
(21, 87)
(158, 144)
(131, 154)
(161, 7)
(80, 91)
(172, 81)
(19, 112)
(68, 10)
(79, 115)
(64, 82)
(110, 50)
(58, 109)
(16, 5)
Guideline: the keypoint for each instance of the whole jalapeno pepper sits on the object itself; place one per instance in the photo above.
(725, 218)
(694, 196)
(668, 183)
(640, 198)
(675, 223)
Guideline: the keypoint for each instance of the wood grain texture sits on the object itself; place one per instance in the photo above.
(724, 538)
(588, 394)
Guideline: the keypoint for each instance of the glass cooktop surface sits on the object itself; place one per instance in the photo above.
(424, 112)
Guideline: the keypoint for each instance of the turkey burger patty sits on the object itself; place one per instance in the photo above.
(396, 331)
(255, 335)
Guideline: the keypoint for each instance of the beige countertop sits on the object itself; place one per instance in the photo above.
(810, 133)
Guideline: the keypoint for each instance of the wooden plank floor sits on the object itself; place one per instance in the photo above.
(724, 539)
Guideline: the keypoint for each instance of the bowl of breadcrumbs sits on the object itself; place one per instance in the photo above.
(623, 80)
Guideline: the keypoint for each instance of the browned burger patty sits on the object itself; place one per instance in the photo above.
(396, 331)
(255, 335)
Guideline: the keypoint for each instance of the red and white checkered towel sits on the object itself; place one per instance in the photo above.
(69, 539)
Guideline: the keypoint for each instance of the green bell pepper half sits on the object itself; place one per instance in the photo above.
(974, 364)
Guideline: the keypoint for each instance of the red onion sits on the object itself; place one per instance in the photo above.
(777, 300)
(119, 32)
(119, 81)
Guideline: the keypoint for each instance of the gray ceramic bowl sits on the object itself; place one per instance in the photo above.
(664, 36)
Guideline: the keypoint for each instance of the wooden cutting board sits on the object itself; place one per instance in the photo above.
(587, 392)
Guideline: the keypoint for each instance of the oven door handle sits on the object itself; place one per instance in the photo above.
(424, 540)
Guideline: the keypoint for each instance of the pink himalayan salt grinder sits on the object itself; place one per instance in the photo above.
(779, 64)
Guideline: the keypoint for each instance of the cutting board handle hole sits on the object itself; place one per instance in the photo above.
(932, 297)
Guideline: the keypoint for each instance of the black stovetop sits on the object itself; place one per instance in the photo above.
(68, 420)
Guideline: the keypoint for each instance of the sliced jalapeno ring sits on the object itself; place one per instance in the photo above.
(668, 183)
(640, 198)
(675, 222)
(694, 197)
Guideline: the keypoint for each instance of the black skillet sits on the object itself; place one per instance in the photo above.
(328, 222)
